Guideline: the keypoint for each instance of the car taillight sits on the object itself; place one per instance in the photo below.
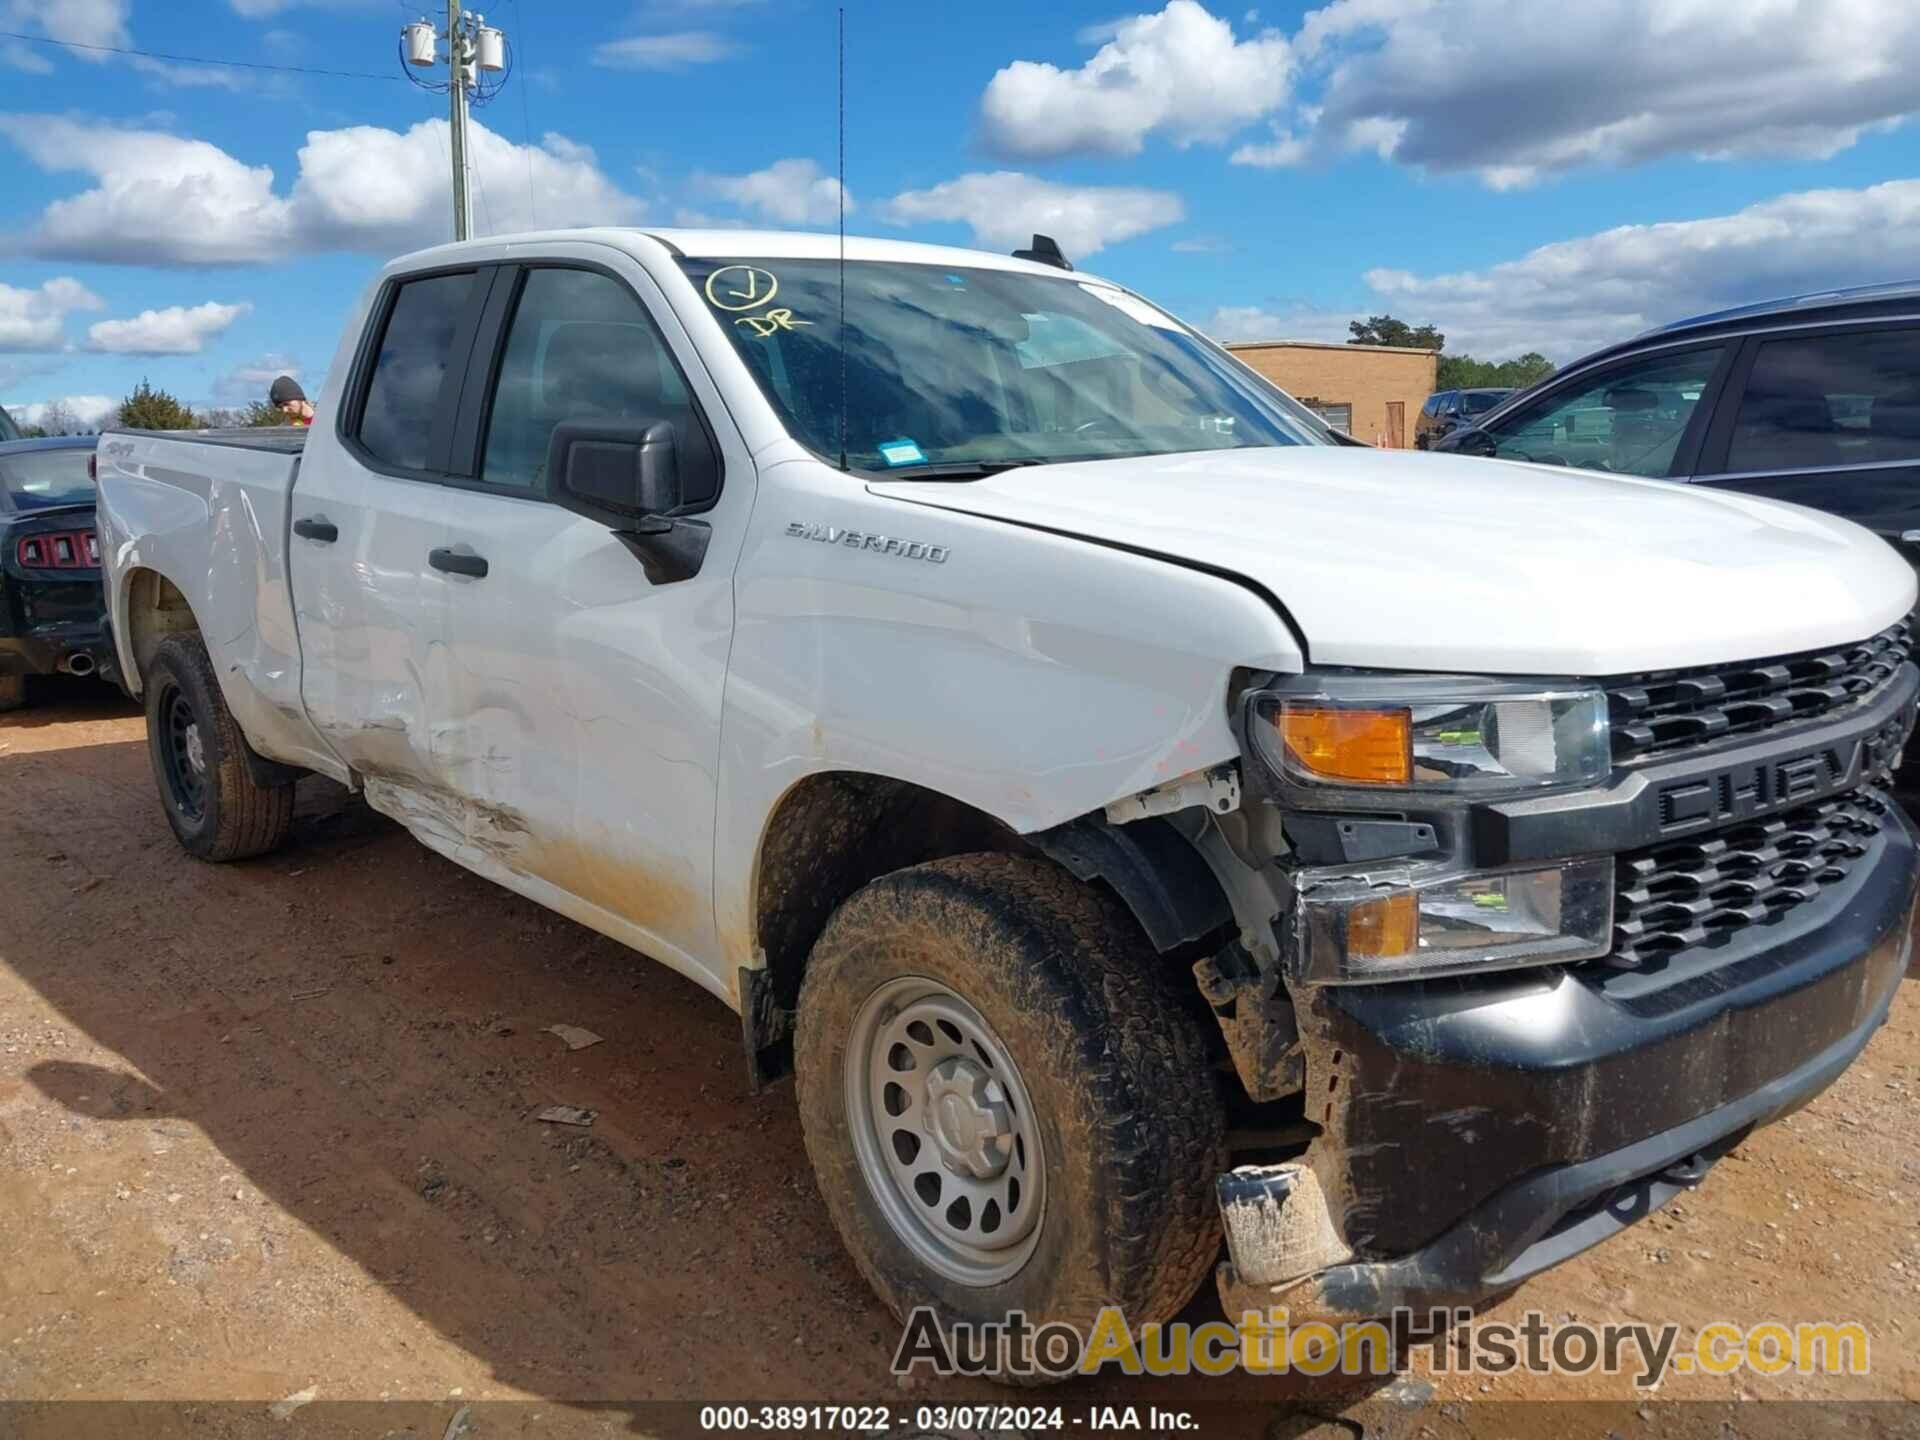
(62, 550)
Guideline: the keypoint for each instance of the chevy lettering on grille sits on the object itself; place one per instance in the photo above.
(1740, 792)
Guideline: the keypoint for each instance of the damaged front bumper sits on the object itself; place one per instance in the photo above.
(1476, 1131)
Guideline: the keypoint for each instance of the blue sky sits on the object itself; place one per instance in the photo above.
(1527, 176)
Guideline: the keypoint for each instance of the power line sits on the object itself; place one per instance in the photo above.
(195, 59)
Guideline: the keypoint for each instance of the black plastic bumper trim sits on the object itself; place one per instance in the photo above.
(1552, 1216)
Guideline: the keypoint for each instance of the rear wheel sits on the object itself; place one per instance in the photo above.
(1006, 1104)
(199, 760)
(13, 692)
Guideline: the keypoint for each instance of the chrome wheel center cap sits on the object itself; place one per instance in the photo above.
(196, 749)
(968, 1119)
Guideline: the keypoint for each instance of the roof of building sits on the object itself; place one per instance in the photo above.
(1325, 345)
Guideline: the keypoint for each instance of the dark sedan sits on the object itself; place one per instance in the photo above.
(52, 615)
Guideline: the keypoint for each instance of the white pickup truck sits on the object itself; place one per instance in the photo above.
(1140, 822)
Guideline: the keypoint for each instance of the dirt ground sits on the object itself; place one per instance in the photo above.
(265, 1129)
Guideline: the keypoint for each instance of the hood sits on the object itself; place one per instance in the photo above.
(1399, 560)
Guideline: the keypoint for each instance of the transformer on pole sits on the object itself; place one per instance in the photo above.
(478, 62)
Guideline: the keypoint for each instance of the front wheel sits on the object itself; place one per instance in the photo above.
(1006, 1103)
(216, 809)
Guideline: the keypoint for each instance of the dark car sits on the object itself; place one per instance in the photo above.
(52, 614)
(1449, 410)
(1814, 399)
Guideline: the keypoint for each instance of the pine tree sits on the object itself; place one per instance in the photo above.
(150, 409)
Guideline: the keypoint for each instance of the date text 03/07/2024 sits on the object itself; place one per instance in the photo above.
(949, 1419)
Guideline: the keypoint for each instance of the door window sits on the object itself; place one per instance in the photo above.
(1629, 421)
(580, 348)
(1821, 401)
(403, 391)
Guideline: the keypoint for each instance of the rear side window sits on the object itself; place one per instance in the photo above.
(403, 390)
(580, 348)
(1830, 400)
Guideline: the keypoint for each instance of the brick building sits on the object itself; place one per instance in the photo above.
(1371, 392)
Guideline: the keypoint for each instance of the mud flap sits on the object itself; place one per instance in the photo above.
(1277, 1223)
(766, 1028)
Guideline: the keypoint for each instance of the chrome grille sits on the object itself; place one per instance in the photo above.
(1676, 709)
(1671, 898)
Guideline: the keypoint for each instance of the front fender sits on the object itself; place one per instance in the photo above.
(1032, 676)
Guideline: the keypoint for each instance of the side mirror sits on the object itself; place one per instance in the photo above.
(633, 477)
(1469, 440)
(614, 472)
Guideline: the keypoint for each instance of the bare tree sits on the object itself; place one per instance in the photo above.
(58, 419)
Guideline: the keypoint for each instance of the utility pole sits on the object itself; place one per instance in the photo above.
(474, 49)
(460, 60)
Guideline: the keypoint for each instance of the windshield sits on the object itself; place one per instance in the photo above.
(42, 478)
(977, 369)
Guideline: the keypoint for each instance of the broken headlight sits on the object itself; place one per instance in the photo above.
(1355, 930)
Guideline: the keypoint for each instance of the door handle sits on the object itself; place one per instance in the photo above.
(314, 528)
(456, 564)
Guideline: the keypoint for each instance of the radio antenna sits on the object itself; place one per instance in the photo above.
(843, 239)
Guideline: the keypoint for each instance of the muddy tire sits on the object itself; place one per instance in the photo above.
(13, 692)
(1019, 976)
(199, 761)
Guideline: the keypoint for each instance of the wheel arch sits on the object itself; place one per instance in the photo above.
(153, 608)
(834, 831)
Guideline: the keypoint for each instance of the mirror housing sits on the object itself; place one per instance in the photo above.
(635, 478)
(615, 472)
(1468, 440)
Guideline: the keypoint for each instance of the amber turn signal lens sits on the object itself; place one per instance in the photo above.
(1369, 747)
(1384, 928)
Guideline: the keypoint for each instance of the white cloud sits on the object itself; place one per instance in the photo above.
(674, 51)
(248, 381)
(163, 199)
(1005, 209)
(99, 23)
(1180, 72)
(1514, 90)
(176, 330)
(158, 198)
(25, 58)
(76, 22)
(366, 188)
(1511, 91)
(36, 319)
(787, 192)
(1570, 297)
(93, 411)
(1291, 322)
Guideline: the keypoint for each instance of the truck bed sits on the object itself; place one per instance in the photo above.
(211, 507)
(279, 439)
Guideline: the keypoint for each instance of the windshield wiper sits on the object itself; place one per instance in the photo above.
(955, 469)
